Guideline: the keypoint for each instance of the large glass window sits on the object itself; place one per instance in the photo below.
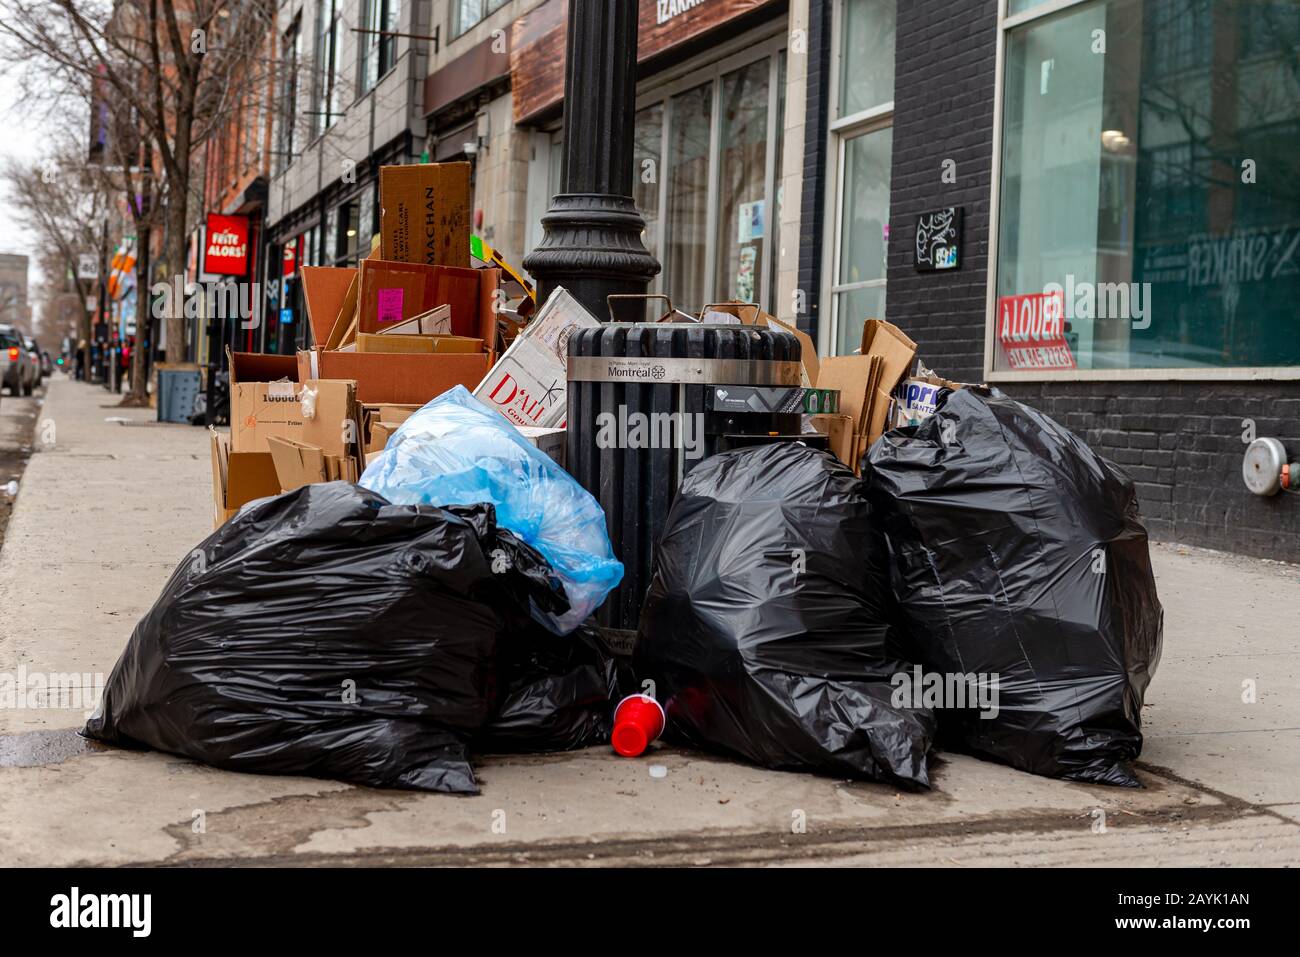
(862, 147)
(291, 52)
(376, 45)
(687, 238)
(466, 13)
(707, 154)
(326, 98)
(649, 135)
(742, 182)
(1149, 215)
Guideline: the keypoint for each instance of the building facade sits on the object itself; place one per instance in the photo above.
(347, 101)
(1127, 168)
(1103, 192)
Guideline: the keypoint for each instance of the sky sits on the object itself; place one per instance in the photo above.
(21, 139)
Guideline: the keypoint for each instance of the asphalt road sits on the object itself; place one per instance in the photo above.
(18, 420)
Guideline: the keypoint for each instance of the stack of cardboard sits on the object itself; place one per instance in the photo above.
(866, 383)
(282, 431)
(414, 319)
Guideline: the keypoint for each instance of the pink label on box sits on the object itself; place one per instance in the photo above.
(390, 305)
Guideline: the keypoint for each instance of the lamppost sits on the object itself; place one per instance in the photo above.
(591, 242)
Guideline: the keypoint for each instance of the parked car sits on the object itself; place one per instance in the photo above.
(17, 368)
(47, 363)
(34, 350)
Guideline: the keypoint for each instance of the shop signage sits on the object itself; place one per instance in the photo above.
(290, 258)
(1031, 331)
(537, 42)
(938, 239)
(225, 249)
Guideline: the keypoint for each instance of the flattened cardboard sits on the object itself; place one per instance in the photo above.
(325, 289)
(383, 377)
(425, 213)
(238, 478)
(371, 342)
(838, 429)
(297, 463)
(529, 386)
(896, 351)
(437, 321)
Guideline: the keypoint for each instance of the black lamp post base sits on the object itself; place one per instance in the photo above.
(592, 247)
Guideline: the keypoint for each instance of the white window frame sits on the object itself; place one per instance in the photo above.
(1007, 23)
(841, 129)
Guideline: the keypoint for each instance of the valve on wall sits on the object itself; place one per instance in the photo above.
(1265, 469)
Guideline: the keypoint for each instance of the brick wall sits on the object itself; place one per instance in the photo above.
(1180, 441)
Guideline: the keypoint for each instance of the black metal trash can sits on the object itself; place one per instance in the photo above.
(630, 384)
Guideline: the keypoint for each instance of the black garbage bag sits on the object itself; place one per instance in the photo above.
(1017, 552)
(327, 632)
(766, 629)
(556, 694)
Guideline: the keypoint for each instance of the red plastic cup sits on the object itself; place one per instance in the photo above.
(638, 720)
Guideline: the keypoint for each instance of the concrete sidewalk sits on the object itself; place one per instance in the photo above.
(103, 517)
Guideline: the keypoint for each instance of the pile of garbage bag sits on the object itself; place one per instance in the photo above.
(1017, 553)
(766, 630)
(328, 632)
(457, 451)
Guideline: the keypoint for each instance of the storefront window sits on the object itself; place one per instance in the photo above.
(1148, 213)
(687, 241)
(742, 184)
(648, 135)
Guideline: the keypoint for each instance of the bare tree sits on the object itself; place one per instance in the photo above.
(176, 68)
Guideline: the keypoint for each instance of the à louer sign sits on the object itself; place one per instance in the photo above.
(225, 250)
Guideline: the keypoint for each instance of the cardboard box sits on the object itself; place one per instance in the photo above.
(380, 433)
(371, 342)
(322, 412)
(529, 386)
(238, 478)
(385, 377)
(425, 213)
(325, 290)
(393, 293)
(297, 463)
(437, 321)
(840, 438)
(549, 441)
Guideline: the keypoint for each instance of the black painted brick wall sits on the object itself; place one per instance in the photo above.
(1181, 441)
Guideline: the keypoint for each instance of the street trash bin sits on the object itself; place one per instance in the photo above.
(177, 391)
(1018, 553)
(766, 630)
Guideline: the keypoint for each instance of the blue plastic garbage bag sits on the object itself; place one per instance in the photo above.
(457, 451)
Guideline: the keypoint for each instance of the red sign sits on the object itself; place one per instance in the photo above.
(1031, 331)
(225, 251)
(290, 257)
